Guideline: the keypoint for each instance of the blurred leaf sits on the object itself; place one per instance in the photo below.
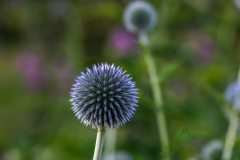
(182, 136)
(168, 69)
(212, 91)
(146, 99)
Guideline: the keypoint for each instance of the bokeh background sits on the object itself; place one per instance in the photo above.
(45, 44)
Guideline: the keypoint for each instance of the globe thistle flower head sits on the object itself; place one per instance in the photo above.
(104, 96)
(232, 94)
(139, 16)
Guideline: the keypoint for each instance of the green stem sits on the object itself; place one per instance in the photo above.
(110, 143)
(99, 144)
(154, 81)
(231, 135)
(156, 89)
(163, 134)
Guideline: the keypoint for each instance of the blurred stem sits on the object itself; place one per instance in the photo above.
(231, 135)
(232, 130)
(99, 144)
(110, 143)
(157, 96)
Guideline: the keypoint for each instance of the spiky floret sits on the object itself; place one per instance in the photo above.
(104, 96)
(139, 16)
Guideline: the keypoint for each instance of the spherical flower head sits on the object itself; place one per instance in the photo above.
(104, 96)
(123, 40)
(139, 16)
(232, 94)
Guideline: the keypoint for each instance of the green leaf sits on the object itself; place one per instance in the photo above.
(146, 99)
(168, 69)
(212, 91)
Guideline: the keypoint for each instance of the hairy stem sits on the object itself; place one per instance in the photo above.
(231, 135)
(99, 144)
(156, 89)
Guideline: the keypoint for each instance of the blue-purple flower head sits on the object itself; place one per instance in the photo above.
(232, 94)
(139, 16)
(104, 96)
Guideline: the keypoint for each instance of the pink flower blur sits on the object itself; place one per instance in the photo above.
(122, 40)
(30, 66)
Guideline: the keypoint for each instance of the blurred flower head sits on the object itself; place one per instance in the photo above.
(212, 150)
(29, 65)
(232, 94)
(202, 45)
(139, 16)
(25, 60)
(43, 153)
(194, 158)
(12, 154)
(59, 7)
(104, 96)
(123, 40)
(237, 3)
(120, 155)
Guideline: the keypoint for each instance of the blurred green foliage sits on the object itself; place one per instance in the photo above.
(37, 124)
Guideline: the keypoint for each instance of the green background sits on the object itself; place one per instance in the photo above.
(203, 35)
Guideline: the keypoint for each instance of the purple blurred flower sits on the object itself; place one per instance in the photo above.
(123, 40)
(232, 94)
(26, 60)
(29, 65)
(34, 78)
(202, 46)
